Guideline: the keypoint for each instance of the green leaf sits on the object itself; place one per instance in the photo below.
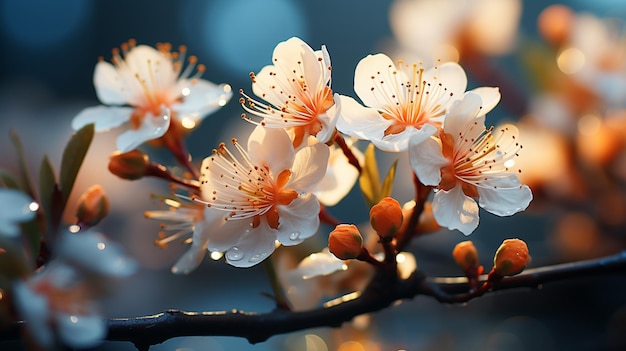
(387, 186)
(24, 174)
(47, 185)
(369, 181)
(8, 181)
(72, 160)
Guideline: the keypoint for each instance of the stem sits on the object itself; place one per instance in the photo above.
(346, 151)
(160, 171)
(279, 295)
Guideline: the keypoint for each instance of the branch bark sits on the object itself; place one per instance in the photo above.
(381, 293)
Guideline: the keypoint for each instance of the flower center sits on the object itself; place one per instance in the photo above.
(412, 102)
(293, 104)
(243, 189)
(477, 155)
(150, 79)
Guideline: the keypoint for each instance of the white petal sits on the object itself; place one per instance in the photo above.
(103, 117)
(194, 255)
(426, 159)
(15, 209)
(253, 247)
(309, 167)
(380, 67)
(339, 179)
(490, 97)
(451, 76)
(295, 54)
(399, 142)
(109, 84)
(91, 250)
(223, 237)
(298, 220)
(152, 127)
(329, 121)
(359, 121)
(204, 98)
(271, 147)
(33, 308)
(320, 264)
(454, 210)
(81, 331)
(504, 196)
(463, 114)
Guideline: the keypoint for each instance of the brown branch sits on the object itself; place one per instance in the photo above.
(381, 293)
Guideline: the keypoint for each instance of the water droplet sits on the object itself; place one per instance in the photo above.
(257, 257)
(294, 236)
(234, 254)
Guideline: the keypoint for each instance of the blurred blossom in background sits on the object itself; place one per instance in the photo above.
(561, 70)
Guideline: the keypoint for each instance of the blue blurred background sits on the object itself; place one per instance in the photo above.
(49, 49)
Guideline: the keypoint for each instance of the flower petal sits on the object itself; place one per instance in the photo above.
(455, 210)
(309, 167)
(203, 98)
(252, 247)
(504, 196)
(463, 114)
(400, 141)
(103, 117)
(378, 67)
(451, 75)
(320, 264)
(359, 121)
(226, 232)
(81, 331)
(152, 127)
(109, 84)
(339, 179)
(191, 259)
(271, 147)
(91, 250)
(298, 220)
(15, 209)
(33, 308)
(426, 159)
(490, 96)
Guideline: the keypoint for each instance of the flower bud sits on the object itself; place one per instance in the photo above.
(345, 241)
(130, 165)
(466, 255)
(386, 217)
(93, 205)
(511, 257)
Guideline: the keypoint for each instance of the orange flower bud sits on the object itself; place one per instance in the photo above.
(345, 241)
(93, 205)
(511, 257)
(466, 255)
(130, 165)
(386, 217)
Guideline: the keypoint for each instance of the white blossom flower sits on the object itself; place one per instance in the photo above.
(264, 195)
(17, 207)
(189, 220)
(403, 102)
(297, 91)
(469, 161)
(61, 298)
(145, 89)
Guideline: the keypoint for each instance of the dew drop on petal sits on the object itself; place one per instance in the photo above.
(294, 236)
(257, 257)
(234, 254)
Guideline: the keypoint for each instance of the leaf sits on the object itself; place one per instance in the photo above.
(47, 185)
(8, 181)
(72, 160)
(369, 181)
(25, 175)
(387, 186)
